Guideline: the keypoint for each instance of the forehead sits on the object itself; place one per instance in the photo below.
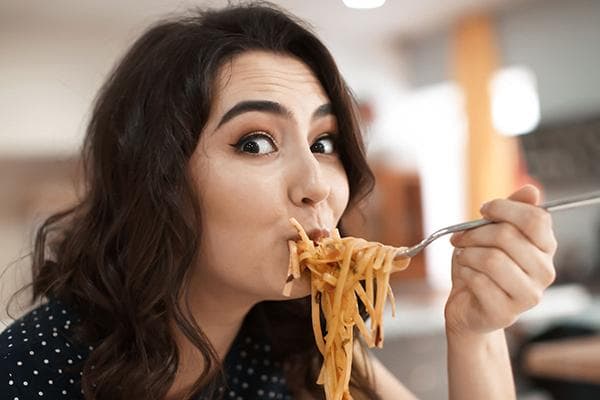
(263, 75)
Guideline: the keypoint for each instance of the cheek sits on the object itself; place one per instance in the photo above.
(241, 211)
(340, 191)
(237, 200)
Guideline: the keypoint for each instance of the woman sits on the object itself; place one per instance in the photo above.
(165, 281)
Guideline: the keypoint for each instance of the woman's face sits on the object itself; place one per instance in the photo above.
(267, 153)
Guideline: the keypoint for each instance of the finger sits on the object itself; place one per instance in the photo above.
(503, 271)
(495, 302)
(457, 282)
(534, 262)
(534, 222)
(526, 194)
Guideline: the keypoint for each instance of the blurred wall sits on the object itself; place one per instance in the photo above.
(558, 40)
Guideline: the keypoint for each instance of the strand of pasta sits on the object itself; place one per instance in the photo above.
(343, 271)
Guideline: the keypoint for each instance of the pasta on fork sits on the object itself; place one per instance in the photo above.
(343, 271)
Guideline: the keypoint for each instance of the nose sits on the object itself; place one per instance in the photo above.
(308, 184)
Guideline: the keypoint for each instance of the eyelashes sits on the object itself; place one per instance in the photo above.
(256, 143)
(261, 143)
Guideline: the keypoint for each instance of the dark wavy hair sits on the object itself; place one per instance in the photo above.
(122, 255)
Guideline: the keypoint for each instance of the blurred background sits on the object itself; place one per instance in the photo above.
(462, 101)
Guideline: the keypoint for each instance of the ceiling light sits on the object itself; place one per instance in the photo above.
(363, 4)
(515, 102)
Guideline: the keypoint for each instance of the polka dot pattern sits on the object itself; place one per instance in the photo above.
(34, 354)
(39, 360)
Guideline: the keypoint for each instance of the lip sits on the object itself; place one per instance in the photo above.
(314, 234)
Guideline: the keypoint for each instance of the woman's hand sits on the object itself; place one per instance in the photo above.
(501, 270)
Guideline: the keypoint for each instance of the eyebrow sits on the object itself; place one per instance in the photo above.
(271, 107)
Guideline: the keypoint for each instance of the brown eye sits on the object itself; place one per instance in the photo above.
(257, 143)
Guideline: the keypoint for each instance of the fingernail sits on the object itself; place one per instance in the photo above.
(484, 207)
(456, 237)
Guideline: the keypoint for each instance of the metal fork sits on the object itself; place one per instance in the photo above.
(555, 205)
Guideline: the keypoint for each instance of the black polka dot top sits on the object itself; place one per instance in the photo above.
(39, 360)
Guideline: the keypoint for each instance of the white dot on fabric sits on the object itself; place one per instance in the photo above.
(25, 340)
(19, 363)
(64, 392)
(46, 361)
(40, 393)
(25, 383)
(35, 372)
(31, 352)
(260, 392)
(43, 342)
(11, 382)
(50, 381)
(250, 371)
(57, 350)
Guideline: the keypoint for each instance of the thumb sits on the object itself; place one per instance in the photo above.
(526, 194)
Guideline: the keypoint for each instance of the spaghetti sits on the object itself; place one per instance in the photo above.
(343, 271)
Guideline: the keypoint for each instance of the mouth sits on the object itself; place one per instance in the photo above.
(315, 235)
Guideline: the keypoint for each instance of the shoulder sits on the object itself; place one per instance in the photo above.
(38, 357)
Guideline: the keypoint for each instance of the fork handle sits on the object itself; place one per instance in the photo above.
(550, 206)
(555, 205)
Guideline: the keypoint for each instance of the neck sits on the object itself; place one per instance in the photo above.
(219, 312)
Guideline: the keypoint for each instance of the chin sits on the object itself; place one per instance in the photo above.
(300, 289)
